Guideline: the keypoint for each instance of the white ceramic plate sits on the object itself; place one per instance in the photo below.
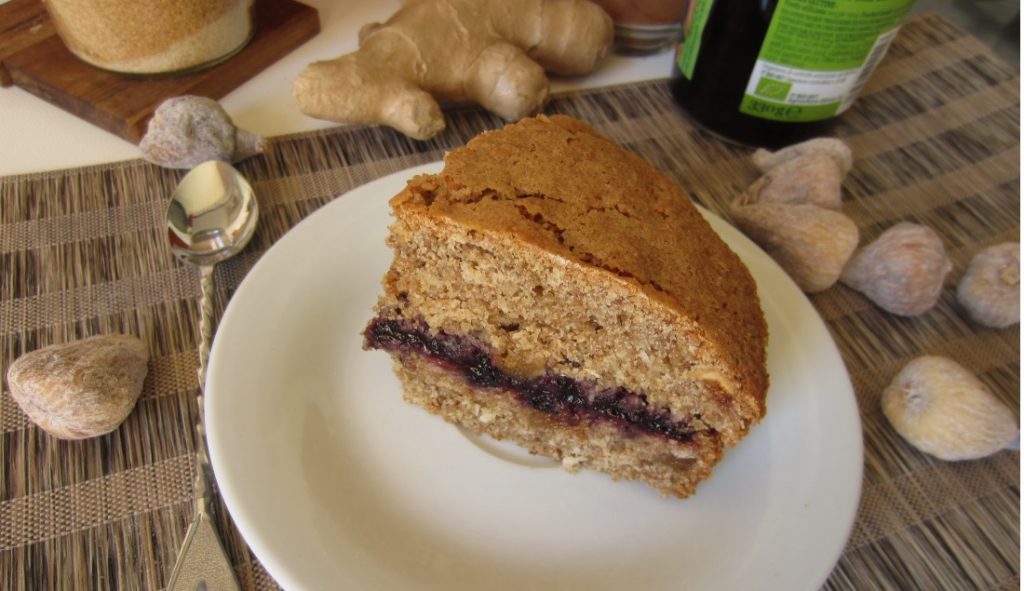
(336, 483)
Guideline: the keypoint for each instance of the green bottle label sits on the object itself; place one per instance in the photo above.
(692, 34)
(818, 54)
(815, 58)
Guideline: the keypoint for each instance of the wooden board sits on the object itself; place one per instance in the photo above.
(23, 23)
(123, 104)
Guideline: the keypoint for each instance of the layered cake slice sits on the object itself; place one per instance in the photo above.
(553, 289)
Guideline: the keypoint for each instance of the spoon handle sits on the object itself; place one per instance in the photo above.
(202, 563)
(205, 327)
(204, 476)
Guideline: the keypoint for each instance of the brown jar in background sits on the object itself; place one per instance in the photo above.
(644, 26)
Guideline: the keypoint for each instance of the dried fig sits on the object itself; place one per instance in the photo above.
(944, 410)
(990, 289)
(813, 179)
(902, 271)
(83, 388)
(835, 148)
(810, 243)
(186, 131)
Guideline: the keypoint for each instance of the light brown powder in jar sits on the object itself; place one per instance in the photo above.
(151, 36)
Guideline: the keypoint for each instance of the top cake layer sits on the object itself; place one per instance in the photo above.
(554, 184)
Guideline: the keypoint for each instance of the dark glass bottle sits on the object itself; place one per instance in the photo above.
(733, 38)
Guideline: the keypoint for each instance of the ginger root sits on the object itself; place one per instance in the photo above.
(493, 53)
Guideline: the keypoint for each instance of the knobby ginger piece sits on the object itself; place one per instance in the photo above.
(492, 52)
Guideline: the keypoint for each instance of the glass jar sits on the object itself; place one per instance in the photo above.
(644, 26)
(146, 37)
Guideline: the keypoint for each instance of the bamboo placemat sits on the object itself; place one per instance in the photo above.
(84, 252)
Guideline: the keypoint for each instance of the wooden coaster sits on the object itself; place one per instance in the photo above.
(23, 23)
(123, 104)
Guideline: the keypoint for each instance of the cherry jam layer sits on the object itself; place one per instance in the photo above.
(554, 394)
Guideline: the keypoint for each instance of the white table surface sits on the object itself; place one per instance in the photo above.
(37, 136)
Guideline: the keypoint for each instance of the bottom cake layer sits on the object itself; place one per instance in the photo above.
(671, 466)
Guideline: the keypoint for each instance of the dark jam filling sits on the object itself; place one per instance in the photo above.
(553, 394)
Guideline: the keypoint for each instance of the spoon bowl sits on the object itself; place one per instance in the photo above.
(212, 214)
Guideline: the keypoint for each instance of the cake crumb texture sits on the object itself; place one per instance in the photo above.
(673, 468)
(557, 252)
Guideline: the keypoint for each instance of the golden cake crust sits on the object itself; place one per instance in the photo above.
(556, 185)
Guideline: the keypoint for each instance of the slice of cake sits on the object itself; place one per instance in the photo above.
(553, 289)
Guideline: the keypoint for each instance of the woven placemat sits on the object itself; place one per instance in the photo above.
(84, 252)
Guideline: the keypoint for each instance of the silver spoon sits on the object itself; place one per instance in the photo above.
(211, 217)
